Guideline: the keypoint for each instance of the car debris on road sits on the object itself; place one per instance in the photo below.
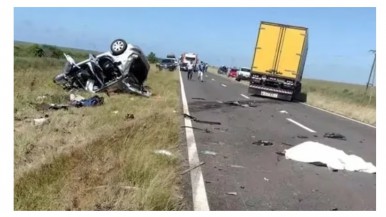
(263, 143)
(201, 121)
(335, 136)
(192, 168)
(232, 193)
(209, 153)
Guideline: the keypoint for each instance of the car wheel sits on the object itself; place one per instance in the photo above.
(118, 46)
(238, 79)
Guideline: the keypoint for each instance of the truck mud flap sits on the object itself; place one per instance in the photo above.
(270, 94)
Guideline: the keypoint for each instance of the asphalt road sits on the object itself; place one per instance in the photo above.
(244, 176)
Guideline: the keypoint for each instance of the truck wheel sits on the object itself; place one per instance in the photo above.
(118, 46)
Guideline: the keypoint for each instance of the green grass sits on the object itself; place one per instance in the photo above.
(94, 158)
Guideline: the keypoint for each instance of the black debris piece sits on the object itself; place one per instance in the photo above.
(319, 164)
(280, 153)
(302, 137)
(198, 98)
(286, 144)
(208, 182)
(129, 116)
(335, 209)
(242, 187)
(334, 136)
(263, 143)
(233, 103)
(201, 121)
(315, 136)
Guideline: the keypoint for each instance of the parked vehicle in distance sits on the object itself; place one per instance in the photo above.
(222, 70)
(243, 73)
(232, 73)
(188, 57)
(167, 63)
(278, 61)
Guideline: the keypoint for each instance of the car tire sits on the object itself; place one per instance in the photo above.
(118, 46)
(238, 79)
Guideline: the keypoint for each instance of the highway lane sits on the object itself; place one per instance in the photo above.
(242, 176)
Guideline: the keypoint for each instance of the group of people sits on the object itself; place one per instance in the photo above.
(200, 68)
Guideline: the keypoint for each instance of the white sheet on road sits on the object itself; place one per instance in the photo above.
(312, 152)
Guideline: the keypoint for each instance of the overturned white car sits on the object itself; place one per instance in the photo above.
(124, 67)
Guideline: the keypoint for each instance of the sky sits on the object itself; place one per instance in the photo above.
(339, 38)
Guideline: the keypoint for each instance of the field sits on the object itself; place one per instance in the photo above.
(95, 158)
(349, 100)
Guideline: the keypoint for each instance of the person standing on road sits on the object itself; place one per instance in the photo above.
(200, 72)
(190, 70)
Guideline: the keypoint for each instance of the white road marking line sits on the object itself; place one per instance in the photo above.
(200, 200)
(369, 125)
(246, 97)
(223, 85)
(301, 125)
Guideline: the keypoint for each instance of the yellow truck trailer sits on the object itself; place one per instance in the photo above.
(278, 61)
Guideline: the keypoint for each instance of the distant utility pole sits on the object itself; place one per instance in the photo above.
(370, 82)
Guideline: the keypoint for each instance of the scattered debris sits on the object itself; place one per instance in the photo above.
(302, 137)
(219, 101)
(115, 112)
(221, 129)
(208, 182)
(237, 166)
(196, 128)
(334, 136)
(198, 98)
(234, 103)
(335, 159)
(212, 79)
(335, 209)
(223, 85)
(263, 143)
(253, 137)
(129, 116)
(283, 112)
(192, 168)
(232, 193)
(286, 144)
(163, 152)
(201, 121)
(40, 121)
(242, 187)
(280, 153)
(92, 101)
(41, 98)
(315, 136)
(209, 153)
(174, 111)
(74, 97)
(265, 179)
(245, 104)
